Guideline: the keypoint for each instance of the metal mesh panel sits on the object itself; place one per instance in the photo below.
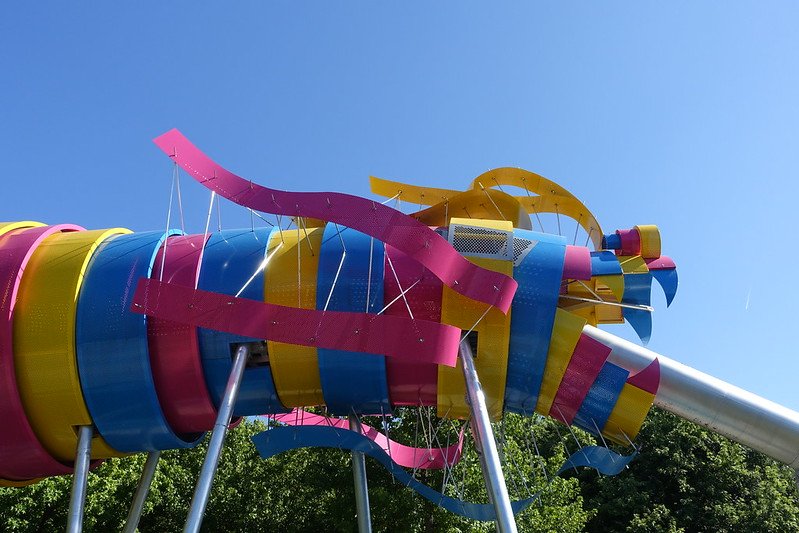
(521, 247)
(481, 242)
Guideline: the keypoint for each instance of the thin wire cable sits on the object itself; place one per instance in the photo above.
(180, 198)
(210, 209)
(402, 293)
(166, 232)
(576, 229)
(260, 268)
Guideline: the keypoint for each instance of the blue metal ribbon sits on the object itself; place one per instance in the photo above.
(637, 291)
(601, 398)
(230, 258)
(539, 276)
(351, 381)
(280, 439)
(667, 278)
(112, 351)
(605, 263)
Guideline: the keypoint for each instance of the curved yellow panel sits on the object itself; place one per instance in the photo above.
(413, 194)
(650, 241)
(565, 333)
(633, 264)
(628, 414)
(44, 341)
(485, 204)
(6, 227)
(493, 337)
(295, 369)
(552, 198)
(607, 288)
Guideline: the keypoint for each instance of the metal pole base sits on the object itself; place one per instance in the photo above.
(486, 445)
(203, 490)
(361, 486)
(77, 498)
(136, 507)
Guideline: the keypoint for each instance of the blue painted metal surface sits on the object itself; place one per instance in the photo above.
(532, 317)
(351, 381)
(112, 351)
(601, 398)
(231, 257)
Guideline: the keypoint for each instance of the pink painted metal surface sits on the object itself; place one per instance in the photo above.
(21, 454)
(584, 366)
(661, 263)
(174, 347)
(648, 379)
(376, 220)
(577, 263)
(393, 336)
(411, 383)
(630, 242)
(407, 456)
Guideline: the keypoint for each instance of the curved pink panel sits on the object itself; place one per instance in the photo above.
(21, 454)
(393, 336)
(661, 263)
(648, 379)
(407, 456)
(411, 383)
(577, 263)
(584, 367)
(630, 242)
(376, 220)
(174, 347)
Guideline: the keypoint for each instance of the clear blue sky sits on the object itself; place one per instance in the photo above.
(678, 114)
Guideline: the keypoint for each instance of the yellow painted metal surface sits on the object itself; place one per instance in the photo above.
(291, 280)
(476, 204)
(552, 198)
(413, 194)
(633, 264)
(6, 227)
(493, 337)
(44, 342)
(650, 241)
(565, 333)
(628, 414)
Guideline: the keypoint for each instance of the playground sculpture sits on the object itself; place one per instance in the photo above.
(114, 342)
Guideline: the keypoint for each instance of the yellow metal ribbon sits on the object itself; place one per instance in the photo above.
(291, 280)
(493, 338)
(628, 414)
(44, 342)
(565, 333)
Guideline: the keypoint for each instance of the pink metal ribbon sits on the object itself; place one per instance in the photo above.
(586, 362)
(174, 347)
(376, 220)
(577, 263)
(410, 382)
(648, 379)
(21, 454)
(407, 456)
(393, 336)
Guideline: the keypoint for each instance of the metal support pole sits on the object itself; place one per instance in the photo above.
(361, 486)
(203, 489)
(80, 478)
(147, 474)
(486, 445)
(725, 409)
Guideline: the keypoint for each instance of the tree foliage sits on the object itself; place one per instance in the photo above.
(685, 479)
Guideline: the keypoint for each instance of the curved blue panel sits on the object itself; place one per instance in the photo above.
(112, 352)
(637, 291)
(604, 263)
(606, 461)
(532, 316)
(280, 439)
(230, 258)
(667, 278)
(351, 381)
(601, 398)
